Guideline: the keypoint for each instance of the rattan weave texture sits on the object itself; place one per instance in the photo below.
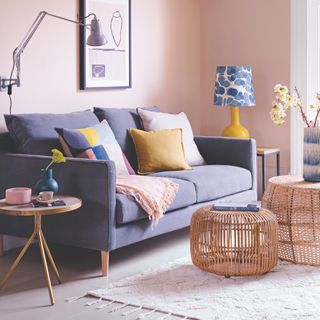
(234, 243)
(296, 204)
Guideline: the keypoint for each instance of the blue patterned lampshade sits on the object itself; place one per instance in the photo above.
(234, 87)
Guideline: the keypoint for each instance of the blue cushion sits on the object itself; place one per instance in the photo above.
(120, 121)
(34, 133)
(213, 181)
(128, 210)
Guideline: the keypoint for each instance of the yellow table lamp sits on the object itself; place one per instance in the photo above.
(234, 88)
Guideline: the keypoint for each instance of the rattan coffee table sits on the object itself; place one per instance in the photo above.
(296, 203)
(234, 243)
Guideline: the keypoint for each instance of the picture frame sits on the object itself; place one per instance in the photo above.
(108, 66)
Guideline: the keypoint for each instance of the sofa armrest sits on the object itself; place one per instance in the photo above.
(230, 151)
(92, 225)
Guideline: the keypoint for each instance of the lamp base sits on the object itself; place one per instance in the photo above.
(235, 131)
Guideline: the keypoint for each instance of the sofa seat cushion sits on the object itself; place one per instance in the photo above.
(128, 210)
(213, 181)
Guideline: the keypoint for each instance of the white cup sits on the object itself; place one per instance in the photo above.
(45, 196)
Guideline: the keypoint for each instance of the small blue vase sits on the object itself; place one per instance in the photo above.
(46, 183)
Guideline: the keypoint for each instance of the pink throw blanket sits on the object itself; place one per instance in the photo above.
(154, 194)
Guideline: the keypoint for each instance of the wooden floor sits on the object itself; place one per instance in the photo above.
(25, 295)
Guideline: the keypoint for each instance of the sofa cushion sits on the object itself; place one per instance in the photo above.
(6, 143)
(34, 133)
(120, 121)
(153, 121)
(159, 150)
(128, 210)
(213, 181)
(96, 143)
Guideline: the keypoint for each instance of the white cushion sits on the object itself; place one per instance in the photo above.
(153, 121)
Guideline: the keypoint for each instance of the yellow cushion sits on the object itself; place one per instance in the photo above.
(159, 150)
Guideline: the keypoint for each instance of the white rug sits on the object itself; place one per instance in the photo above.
(289, 291)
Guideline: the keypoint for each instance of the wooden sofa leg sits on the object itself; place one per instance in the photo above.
(1, 245)
(104, 263)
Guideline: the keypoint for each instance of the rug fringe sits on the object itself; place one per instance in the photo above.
(91, 303)
(165, 317)
(146, 314)
(100, 298)
(73, 299)
(127, 313)
(103, 306)
(118, 308)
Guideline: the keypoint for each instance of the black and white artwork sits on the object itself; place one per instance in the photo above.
(108, 66)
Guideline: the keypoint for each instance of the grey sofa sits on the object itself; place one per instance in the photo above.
(108, 220)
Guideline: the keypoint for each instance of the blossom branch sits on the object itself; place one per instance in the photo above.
(316, 119)
(303, 115)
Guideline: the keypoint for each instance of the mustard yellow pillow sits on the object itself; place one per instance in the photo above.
(159, 150)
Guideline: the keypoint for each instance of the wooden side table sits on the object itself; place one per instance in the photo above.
(264, 153)
(296, 203)
(72, 203)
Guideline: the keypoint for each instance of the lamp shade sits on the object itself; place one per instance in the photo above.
(96, 37)
(234, 87)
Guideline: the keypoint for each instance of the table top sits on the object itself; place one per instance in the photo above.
(233, 217)
(262, 151)
(294, 182)
(72, 203)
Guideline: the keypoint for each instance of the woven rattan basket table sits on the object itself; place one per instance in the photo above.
(234, 243)
(296, 203)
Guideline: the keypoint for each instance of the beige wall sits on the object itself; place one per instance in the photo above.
(165, 58)
(247, 32)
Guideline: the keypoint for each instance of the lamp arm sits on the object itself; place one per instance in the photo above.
(36, 24)
(19, 50)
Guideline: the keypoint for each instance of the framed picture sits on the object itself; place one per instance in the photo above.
(107, 66)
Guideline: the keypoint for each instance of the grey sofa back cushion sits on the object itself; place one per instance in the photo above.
(120, 121)
(6, 143)
(34, 133)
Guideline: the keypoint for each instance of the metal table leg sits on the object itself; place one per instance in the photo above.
(263, 173)
(44, 249)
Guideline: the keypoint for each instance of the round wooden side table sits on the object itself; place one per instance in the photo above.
(234, 243)
(72, 203)
(296, 203)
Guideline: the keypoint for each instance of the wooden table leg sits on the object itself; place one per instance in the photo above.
(16, 262)
(47, 250)
(44, 261)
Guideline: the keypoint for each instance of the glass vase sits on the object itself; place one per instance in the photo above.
(46, 182)
(311, 154)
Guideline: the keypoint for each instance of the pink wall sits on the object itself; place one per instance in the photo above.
(176, 46)
(247, 32)
(165, 58)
